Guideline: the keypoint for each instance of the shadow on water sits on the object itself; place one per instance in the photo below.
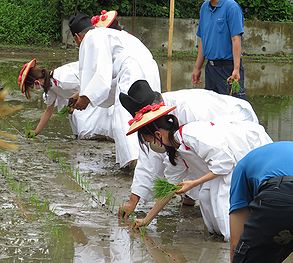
(60, 196)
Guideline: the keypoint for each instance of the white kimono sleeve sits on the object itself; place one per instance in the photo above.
(95, 64)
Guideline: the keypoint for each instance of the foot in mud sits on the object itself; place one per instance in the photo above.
(188, 201)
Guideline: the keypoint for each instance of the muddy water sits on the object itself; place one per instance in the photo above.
(46, 216)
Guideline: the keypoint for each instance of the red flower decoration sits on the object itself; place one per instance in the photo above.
(103, 12)
(103, 17)
(95, 20)
(139, 115)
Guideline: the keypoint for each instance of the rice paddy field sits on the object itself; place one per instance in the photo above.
(59, 196)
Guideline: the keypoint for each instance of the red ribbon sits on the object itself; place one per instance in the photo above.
(138, 116)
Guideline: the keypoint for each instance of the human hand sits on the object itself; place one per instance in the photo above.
(196, 76)
(81, 103)
(234, 76)
(125, 210)
(139, 223)
(186, 186)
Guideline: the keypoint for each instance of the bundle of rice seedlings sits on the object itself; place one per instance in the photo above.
(5, 110)
(64, 111)
(235, 87)
(163, 188)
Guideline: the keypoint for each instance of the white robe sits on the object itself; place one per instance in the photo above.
(192, 105)
(85, 124)
(107, 56)
(215, 147)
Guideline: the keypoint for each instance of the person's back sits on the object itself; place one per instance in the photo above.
(261, 205)
(117, 52)
(202, 104)
(258, 166)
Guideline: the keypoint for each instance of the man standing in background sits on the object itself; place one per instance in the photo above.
(219, 32)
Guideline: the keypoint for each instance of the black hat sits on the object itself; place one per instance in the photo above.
(139, 95)
(79, 23)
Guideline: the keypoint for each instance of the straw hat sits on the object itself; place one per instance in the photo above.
(154, 112)
(23, 75)
(139, 103)
(105, 19)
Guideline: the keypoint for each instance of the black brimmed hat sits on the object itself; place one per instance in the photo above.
(139, 103)
(78, 23)
(139, 95)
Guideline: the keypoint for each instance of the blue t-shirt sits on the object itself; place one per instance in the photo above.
(274, 159)
(217, 26)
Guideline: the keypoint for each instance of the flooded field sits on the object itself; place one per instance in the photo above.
(60, 196)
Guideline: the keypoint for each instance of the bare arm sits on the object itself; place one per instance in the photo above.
(159, 205)
(44, 119)
(187, 185)
(236, 49)
(237, 220)
(198, 64)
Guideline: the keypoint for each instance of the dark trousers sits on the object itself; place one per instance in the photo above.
(268, 232)
(216, 75)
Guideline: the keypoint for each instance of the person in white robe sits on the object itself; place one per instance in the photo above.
(108, 56)
(59, 86)
(191, 105)
(201, 154)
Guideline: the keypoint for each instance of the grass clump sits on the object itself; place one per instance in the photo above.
(163, 188)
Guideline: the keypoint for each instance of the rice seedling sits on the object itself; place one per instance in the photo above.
(28, 130)
(235, 87)
(64, 111)
(163, 188)
(142, 231)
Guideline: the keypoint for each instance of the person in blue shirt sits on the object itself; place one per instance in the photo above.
(219, 33)
(261, 205)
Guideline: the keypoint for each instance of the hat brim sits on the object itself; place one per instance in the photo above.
(108, 21)
(23, 74)
(149, 117)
